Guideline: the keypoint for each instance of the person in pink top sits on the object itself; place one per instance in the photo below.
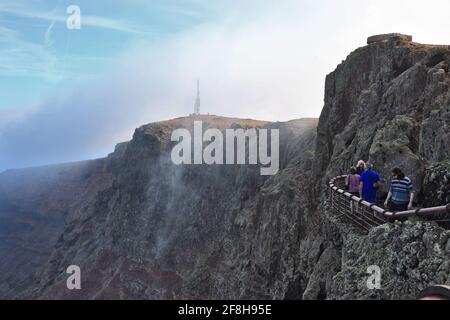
(353, 180)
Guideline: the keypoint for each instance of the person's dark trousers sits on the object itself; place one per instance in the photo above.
(395, 207)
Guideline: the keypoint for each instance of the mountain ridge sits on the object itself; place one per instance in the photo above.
(154, 140)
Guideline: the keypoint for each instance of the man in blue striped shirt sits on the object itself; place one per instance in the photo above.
(401, 193)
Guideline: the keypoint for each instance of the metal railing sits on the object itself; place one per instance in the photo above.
(365, 215)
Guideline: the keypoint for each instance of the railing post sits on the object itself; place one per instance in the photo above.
(360, 209)
(332, 200)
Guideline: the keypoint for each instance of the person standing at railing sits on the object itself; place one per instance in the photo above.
(368, 185)
(401, 192)
(360, 167)
(352, 182)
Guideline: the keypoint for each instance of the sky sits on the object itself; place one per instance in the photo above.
(72, 94)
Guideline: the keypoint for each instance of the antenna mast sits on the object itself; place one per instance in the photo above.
(197, 100)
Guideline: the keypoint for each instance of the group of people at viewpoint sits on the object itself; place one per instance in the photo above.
(363, 181)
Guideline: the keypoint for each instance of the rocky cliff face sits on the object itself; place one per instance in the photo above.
(160, 231)
(411, 257)
(436, 184)
(142, 228)
(389, 103)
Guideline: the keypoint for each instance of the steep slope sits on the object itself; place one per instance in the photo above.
(165, 231)
(389, 103)
(34, 205)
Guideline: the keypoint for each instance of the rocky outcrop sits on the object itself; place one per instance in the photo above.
(410, 257)
(34, 207)
(388, 103)
(389, 37)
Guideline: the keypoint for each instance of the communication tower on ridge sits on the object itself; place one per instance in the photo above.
(197, 100)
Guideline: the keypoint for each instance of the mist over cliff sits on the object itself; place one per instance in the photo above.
(140, 227)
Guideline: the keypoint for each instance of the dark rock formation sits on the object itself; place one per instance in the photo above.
(436, 185)
(411, 257)
(388, 103)
(389, 37)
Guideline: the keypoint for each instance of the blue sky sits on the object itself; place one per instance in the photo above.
(39, 53)
(69, 95)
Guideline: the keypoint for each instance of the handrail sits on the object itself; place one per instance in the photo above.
(376, 210)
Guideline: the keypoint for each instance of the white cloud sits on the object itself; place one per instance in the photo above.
(48, 41)
(271, 65)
